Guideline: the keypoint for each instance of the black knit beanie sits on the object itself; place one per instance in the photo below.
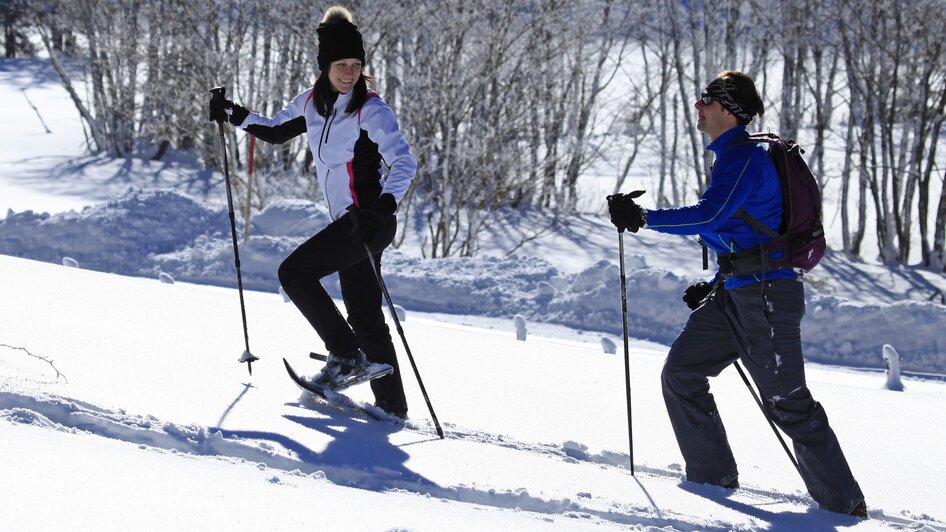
(339, 38)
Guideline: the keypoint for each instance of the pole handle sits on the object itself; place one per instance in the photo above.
(217, 100)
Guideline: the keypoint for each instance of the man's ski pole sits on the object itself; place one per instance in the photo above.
(767, 418)
(221, 94)
(627, 354)
(400, 331)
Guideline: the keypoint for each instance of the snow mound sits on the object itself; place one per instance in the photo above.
(152, 232)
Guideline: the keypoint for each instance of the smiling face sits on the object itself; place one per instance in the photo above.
(343, 74)
(713, 119)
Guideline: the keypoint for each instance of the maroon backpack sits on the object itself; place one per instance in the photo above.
(799, 243)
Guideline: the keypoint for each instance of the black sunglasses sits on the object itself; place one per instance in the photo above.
(706, 99)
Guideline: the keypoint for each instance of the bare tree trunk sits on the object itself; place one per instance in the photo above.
(925, 179)
(822, 89)
(98, 136)
(676, 36)
(939, 234)
(846, 233)
(793, 53)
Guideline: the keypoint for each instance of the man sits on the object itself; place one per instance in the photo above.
(754, 317)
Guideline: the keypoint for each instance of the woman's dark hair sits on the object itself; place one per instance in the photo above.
(324, 96)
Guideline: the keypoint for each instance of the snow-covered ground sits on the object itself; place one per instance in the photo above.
(152, 423)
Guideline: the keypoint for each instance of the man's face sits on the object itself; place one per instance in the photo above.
(712, 118)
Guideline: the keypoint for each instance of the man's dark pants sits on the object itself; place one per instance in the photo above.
(331, 250)
(759, 325)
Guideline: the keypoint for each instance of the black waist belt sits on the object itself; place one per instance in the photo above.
(752, 261)
(734, 265)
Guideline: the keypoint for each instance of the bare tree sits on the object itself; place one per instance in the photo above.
(15, 22)
(507, 106)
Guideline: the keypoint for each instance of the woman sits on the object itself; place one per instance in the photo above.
(350, 131)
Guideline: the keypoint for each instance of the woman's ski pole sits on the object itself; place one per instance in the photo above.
(400, 331)
(221, 93)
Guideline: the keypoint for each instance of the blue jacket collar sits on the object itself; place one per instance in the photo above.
(724, 141)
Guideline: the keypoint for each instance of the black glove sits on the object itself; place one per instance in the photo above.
(694, 295)
(223, 110)
(367, 222)
(625, 214)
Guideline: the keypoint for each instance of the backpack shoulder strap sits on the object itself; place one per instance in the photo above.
(757, 138)
(755, 224)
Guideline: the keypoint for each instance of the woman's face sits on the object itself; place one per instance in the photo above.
(343, 74)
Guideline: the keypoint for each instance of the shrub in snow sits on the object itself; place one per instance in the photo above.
(892, 358)
(70, 262)
(400, 312)
(520, 324)
(608, 345)
(165, 278)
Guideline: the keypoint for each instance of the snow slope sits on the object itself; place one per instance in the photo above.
(154, 424)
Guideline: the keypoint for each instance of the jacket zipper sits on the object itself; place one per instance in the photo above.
(326, 129)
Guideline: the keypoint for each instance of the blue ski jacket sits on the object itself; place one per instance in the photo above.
(743, 176)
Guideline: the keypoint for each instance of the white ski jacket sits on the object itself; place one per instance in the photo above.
(348, 149)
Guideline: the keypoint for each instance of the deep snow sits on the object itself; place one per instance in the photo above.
(155, 425)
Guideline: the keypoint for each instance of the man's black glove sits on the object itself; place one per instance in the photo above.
(694, 295)
(367, 222)
(223, 110)
(625, 214)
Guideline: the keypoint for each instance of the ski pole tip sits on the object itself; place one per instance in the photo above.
(249, 358)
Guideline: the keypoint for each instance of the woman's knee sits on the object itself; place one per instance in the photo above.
(286, 272)
(369, 324)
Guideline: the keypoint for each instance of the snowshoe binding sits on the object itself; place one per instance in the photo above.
(343, 371)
